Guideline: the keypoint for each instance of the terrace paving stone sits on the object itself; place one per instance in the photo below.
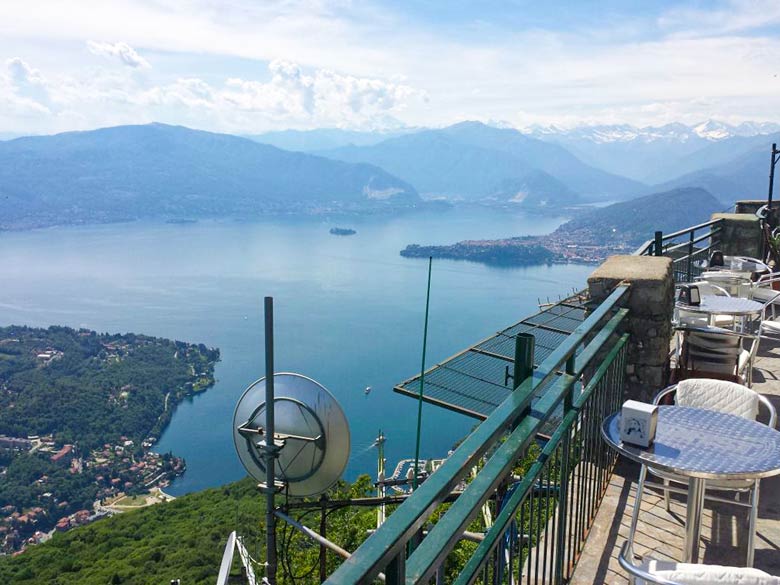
(660, 533)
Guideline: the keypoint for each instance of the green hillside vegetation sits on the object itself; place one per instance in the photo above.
(183, 539)
(95, 388)
(86, 390)
(635, 221)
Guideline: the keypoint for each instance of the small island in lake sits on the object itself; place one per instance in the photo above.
(337, 231)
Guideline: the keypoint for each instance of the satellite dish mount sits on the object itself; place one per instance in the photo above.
(291, 435)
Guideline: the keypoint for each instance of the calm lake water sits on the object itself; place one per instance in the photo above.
(348, 311)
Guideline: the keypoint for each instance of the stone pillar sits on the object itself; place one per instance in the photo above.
(651, 305)
(740, 234)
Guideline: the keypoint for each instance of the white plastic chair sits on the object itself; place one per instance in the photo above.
(663, 572)
(763, 291)
(736, 283)
(727, 397)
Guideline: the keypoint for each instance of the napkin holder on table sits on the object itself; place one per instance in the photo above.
(689, 294)
(638, 421)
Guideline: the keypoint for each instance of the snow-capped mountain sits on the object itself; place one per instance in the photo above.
(709, 130)
(652, 154)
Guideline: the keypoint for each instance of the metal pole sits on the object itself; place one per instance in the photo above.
(380, 478)
(422, 376)
(318, 538)
(690, 259)
(270, 445)
(658, 247)
(772, 163)
(323, 532)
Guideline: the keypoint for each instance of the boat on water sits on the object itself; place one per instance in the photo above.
(337, 231)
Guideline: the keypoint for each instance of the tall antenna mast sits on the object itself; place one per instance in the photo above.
(270, 445)
(422, 378)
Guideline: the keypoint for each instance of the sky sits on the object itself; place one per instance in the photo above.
(250, 66)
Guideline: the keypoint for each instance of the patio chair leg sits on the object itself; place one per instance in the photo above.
(667, 497)
(751, 540)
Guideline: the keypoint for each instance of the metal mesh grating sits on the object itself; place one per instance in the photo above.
(474, 381)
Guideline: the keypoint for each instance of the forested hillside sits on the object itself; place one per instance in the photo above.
(171, 172)
(635, 221)
(90, 388)
(183, 540)
(79, 413)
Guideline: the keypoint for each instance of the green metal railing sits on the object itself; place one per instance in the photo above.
(540, 531)
(554, 502)
(689, 248)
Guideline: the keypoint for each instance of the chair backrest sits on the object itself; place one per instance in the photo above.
(709, 288)
(718, 395)
(666, 572)
(734, 283)
(709, 349)
(684, 317)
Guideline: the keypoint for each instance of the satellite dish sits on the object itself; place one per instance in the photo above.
(310, 430)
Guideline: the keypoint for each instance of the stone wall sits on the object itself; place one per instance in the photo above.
(651, 305)
(740, 234)
(753, 205)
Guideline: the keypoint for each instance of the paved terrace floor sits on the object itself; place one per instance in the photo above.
(660, 533)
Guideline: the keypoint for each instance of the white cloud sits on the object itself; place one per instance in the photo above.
(122, 51)
(22, 91)
(21, 73)
(365, 65)
(291, 97)
(324, 97)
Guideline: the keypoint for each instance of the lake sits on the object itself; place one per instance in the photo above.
(348, 311)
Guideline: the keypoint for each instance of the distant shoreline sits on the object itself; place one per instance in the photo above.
(323, 212)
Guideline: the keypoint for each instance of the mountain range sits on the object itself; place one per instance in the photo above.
(471, 161)
(160, 171)
(657, 154)
(474, 161)
(323, 138)
(172, 172)
(731, 171)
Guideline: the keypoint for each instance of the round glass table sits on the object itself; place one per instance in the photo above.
(722, 305)
(700, 445)
(712, 305)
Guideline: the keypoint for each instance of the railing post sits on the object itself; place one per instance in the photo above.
(524, 358)
(563, 482)
(658, 246)
(773, 162)
(690, 259)
(395, 574)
